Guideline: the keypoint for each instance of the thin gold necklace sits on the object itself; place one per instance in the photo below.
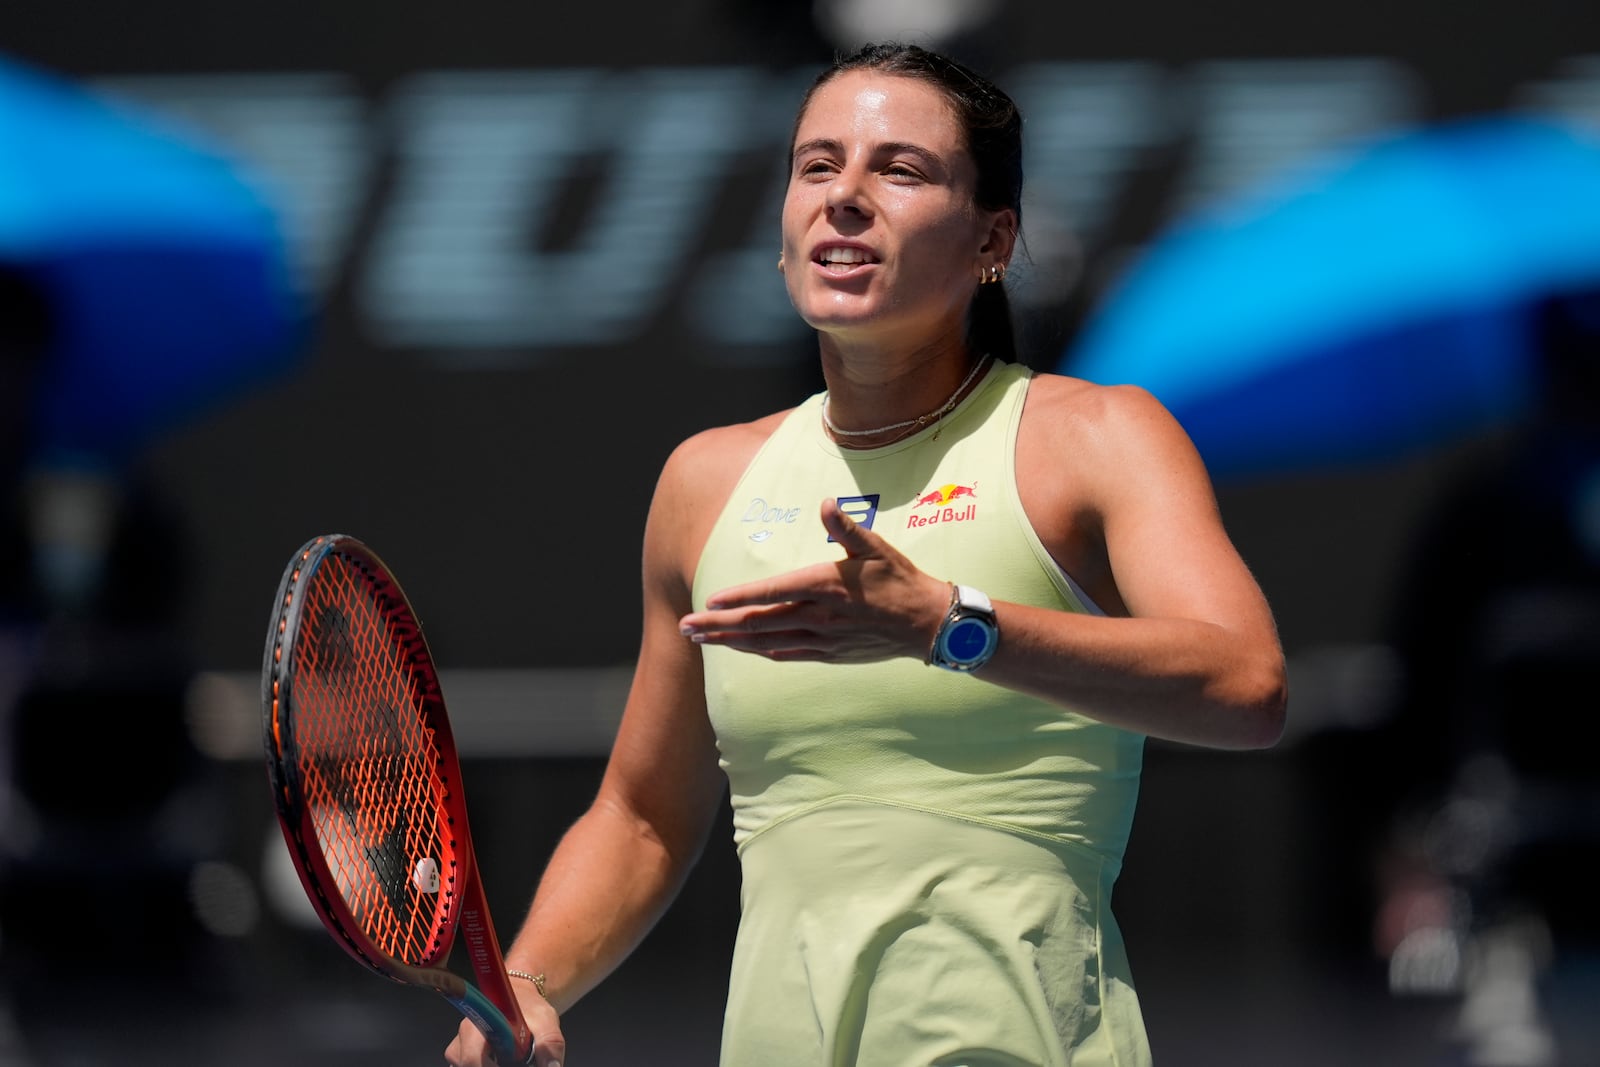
(920, 421)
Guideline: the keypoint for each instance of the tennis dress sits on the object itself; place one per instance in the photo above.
(927, 858)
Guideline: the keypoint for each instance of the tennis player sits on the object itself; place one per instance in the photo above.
(919, 627)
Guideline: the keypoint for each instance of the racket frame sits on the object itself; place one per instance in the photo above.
(491, 1003)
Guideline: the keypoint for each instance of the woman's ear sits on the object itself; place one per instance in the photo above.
(1001, 240)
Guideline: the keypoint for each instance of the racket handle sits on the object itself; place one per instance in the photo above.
(497, 1029)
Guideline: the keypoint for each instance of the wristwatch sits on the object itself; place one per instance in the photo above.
(969, 634)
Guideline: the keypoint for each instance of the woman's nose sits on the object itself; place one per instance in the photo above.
(847, 192)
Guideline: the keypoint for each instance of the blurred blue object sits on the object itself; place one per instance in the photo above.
(164, 271)
(1364, 307)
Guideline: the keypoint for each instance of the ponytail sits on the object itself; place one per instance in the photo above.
(989, 326)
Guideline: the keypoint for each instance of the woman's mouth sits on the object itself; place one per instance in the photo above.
(841, 259)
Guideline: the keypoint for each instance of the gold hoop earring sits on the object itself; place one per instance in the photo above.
(999, 272)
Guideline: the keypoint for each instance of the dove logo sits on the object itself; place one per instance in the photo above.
(767, 518)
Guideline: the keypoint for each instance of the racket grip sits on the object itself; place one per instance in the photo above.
(502, 1036)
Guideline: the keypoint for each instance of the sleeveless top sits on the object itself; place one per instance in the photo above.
(927, 858)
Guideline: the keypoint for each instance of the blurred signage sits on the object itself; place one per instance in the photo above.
(497, 218)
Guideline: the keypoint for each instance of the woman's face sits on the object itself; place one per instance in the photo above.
(882, 241)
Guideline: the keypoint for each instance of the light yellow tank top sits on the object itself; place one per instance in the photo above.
(864, 795)
(796, 734)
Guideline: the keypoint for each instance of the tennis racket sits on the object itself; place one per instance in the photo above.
(367, 785)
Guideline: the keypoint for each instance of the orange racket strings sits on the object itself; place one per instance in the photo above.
(369, 765)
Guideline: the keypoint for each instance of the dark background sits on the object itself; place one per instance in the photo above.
(507, 483)
(499, 441)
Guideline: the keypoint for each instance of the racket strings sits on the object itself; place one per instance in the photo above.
(370, 764)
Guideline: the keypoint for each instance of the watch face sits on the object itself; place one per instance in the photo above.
(968, 640)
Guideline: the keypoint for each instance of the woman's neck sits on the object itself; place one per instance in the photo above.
(876, 398)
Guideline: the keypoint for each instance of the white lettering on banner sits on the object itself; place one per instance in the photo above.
(457, 266)
(306, 138)
(1573, 92)
(1087, 126)
(1255, 118)
(484, 162)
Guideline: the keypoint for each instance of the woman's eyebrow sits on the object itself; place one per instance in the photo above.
(830, 146)
(817, 144)
(895, 148)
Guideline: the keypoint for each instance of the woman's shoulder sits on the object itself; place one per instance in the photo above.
(1115, 436)
(1091, 411)
(694, 483)
(707, 463)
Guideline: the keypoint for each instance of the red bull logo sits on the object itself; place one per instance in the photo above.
(945, 494)
(945, 509)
